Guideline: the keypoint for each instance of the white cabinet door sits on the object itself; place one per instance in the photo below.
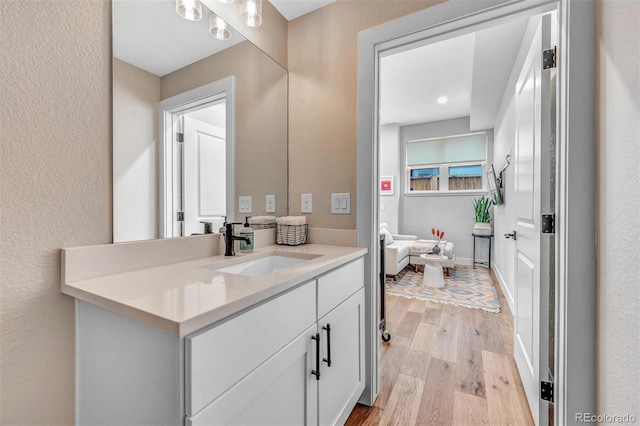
(218, 357)
(342, 382)
(282, 391)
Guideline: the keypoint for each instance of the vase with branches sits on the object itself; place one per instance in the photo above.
(437, 236)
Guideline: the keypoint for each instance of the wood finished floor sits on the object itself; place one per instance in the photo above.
(446, 365)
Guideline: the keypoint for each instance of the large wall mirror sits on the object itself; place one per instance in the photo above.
(197, 122)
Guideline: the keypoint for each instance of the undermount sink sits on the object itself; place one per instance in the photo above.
(262, 266)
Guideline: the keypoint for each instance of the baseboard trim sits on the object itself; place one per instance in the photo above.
(505, 290)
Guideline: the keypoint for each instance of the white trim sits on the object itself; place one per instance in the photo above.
(575, 284)
(180, 103)
(505, 290)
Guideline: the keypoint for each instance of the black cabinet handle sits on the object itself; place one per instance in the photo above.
(328, 358)
(316, 337)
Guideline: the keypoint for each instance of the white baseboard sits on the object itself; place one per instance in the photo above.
(505, 290)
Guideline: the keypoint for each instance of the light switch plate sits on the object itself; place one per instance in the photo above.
(307, 203)
(341, 203)
(244, 204)
(271, 204)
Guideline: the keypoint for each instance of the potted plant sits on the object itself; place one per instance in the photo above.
(482, 211)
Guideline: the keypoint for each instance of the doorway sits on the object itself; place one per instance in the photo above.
(197, 160)
(576, 101)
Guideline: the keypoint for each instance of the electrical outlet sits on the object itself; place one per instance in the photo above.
(307, 203)
(271, 204)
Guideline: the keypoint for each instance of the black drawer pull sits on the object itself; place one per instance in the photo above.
(328, 358)
(314, 372)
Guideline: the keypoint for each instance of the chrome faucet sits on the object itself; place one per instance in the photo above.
(229, 238)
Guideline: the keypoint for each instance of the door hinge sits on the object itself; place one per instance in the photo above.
(548, 225)
(546, 391)
(180, 137)
(549, 59)
(180, 216)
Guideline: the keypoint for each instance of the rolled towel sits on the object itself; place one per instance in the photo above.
(292, 220)
(262, 219)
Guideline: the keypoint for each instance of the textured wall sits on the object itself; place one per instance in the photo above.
(136, 94)
(323, 48)
(55, 191)
(618, 231)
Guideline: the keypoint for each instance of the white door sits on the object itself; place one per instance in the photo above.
(532, 185)
(204, 175)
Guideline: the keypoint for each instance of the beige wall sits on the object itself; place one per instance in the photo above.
(261, 118)
(55, 191)
(618, 233)
(323, 63)
(136, 94)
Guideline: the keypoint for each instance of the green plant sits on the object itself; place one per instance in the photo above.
(481, 207)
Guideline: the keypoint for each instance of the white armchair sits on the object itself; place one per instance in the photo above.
(396, 252)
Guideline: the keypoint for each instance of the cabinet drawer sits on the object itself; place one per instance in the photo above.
(338, 285)
(220, 356)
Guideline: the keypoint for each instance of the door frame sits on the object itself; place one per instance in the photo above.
(183, 102)
(575, 287)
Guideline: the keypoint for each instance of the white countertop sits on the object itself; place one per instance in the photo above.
(183, 297)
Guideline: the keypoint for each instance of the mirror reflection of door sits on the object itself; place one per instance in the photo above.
(200, 181)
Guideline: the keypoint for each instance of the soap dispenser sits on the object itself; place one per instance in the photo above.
(246, 232)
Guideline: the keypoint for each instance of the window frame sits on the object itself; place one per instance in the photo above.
(444, 170)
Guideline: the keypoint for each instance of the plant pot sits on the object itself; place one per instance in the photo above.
(483, 228)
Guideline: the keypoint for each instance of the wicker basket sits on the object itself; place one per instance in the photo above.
(262, 225)
(292, 235)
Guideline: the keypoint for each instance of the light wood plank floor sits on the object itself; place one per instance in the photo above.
(446, 365)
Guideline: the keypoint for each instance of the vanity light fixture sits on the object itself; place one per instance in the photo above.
(442, 100)
(189, 9)
(218, 28)
(251, 12)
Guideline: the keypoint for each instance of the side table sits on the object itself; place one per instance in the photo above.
(486, 237)
(433, 273)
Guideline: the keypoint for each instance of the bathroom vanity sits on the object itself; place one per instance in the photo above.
(271, 337)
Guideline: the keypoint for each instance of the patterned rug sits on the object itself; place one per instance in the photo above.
(468, 287)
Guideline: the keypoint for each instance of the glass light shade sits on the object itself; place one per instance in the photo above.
(226, 1)
(218, 28)
(251, 12)
(189, 9)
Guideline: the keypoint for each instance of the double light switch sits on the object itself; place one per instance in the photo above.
(341, 203)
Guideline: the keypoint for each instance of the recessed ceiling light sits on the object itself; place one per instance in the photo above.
(442, 100)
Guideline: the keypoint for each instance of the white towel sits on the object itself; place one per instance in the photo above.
(262, 219)
(292, 220)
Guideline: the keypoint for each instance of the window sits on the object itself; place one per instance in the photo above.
(448, 164)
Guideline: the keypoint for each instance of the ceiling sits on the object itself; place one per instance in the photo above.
(150, 35)
(471, 71)
(144, 28)
(291, 9)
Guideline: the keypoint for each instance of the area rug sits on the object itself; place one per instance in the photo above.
(468, 287)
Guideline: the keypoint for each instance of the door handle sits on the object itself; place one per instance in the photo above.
(510, 235)
(328, 358)
(316, 373)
